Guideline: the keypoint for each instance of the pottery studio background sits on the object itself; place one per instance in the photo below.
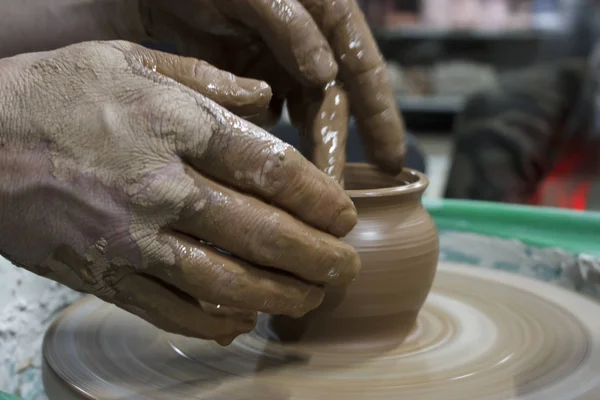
(477, 82)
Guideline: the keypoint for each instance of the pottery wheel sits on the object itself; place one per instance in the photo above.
(482, 334)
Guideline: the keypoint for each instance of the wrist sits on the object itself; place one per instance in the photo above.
(21, 165)
(8, 137)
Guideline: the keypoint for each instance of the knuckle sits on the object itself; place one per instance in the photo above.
(177, 121)
(347, 267)
(282, 174)
(120, 45)
(272, 173)
(225, 288)
(329, 264)
(309, 299)
(220, 142)
(96, 55)
(338, 263)
(201, 68)
(283, 299)
(198, 207)
(337, 205)
(269, 241)
(279, 245)
(266, 168)
(336, 16)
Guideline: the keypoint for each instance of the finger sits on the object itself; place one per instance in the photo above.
(267, 68)
(164, 308)
(218, 278)
(322, 118)
(242, 96)
(264, 235)
(234, 151)
(291, 34)
(363, 72)
(251, 160)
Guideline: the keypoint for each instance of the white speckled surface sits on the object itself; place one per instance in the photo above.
(28, 303)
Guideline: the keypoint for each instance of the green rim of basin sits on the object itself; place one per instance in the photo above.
(573, 231)
(6, 396)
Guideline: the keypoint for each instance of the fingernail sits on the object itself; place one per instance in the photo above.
(391, 160)
(324, 67)
(259, 88)
(344, 222)
(351, 269)
(346, 268)
(313, 299)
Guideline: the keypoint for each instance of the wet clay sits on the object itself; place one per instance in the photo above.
(123, 176)
(397, 242)
(288, 43)
(323, 123)
(482, 334)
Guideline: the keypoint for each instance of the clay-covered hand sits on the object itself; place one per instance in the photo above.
(126, 174)
(296, 46)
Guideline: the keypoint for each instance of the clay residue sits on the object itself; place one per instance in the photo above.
(106, 140)
(322, 118)
(365, 77)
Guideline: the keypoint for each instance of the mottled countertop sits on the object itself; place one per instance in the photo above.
(28, 304)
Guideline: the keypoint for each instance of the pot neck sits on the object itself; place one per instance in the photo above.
(364, 203)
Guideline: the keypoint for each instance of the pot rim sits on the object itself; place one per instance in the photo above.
(419, 184)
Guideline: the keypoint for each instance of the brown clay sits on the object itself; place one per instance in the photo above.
(160, 197)
(322, 118)
(398, 245)
(288, 43)
(329, 132)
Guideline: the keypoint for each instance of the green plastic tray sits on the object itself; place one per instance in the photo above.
(572, 231)
(6, 396)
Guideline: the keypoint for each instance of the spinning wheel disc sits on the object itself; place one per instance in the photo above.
(482, 334)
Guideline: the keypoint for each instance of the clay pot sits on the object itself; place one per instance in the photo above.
(398, 245)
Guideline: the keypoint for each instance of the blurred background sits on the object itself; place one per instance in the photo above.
(441, 51)
(516, 63)
(500, 99)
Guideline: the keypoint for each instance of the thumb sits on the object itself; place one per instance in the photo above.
(242, 96)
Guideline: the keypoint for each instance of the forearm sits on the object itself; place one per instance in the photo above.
(39, 25)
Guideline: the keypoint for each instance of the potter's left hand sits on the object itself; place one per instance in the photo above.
(295, 46)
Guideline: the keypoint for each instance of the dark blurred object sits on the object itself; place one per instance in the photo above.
(415, 158)
(534, 139)
(458, 47)
(582, 26)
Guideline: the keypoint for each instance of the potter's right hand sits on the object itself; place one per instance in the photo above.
(123, 177)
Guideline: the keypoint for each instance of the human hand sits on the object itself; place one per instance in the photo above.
(125, 176)
(296, 47)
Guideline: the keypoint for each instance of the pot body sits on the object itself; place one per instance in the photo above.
(398, 245)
